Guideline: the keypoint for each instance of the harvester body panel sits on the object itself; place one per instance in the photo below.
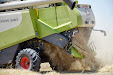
(58, 19)
(14, 29)
(41, 24)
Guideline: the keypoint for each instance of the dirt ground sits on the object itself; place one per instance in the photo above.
(46, 70)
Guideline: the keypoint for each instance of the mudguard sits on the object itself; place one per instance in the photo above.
(57, 39)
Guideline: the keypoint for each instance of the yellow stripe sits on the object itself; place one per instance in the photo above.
(37, 11)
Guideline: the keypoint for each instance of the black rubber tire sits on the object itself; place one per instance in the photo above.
(32, 55)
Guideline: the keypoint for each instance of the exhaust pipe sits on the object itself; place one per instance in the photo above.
(30, 3)
(70, 3)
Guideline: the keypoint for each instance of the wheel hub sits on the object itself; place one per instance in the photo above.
(25, 63)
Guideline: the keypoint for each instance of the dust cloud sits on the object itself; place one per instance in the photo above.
(104, 49)
(65, 62)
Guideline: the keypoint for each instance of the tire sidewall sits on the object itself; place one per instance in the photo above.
(18, 65)
(25, 53)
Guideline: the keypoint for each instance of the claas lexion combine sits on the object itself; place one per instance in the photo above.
(25, 25)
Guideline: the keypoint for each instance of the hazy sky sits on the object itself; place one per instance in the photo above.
(103, 11)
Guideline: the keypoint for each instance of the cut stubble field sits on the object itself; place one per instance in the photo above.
(46, 70)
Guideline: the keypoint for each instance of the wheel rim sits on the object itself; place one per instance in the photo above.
(25, 63)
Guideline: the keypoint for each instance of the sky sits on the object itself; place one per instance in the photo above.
(103, 11)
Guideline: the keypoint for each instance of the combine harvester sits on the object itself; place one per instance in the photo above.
(36, 31)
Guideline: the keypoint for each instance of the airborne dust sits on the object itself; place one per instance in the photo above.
(65, 62)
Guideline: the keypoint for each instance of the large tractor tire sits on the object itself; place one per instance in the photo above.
(28, 59)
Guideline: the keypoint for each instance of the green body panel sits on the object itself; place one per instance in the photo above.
(57, 19)
(75, 53)
(23, 32)
(44, 29)
(75, 17)
(62, 12)
(52, 23)
(63, 27)
(47, 13)
(34, 17)
(63, 19)
(48, 16)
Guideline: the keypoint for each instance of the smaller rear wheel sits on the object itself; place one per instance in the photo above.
(28, 59)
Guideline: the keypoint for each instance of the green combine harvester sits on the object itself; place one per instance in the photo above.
(25, 25)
